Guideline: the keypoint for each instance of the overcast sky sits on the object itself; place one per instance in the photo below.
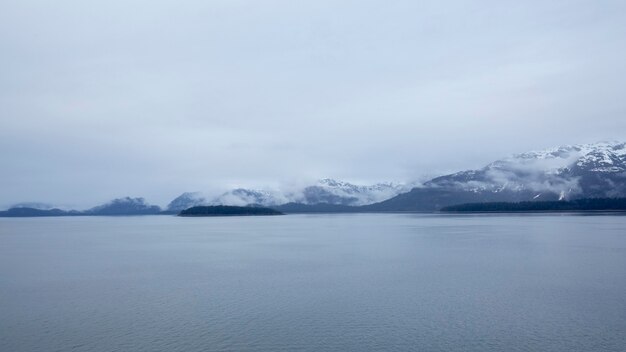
(153, 98)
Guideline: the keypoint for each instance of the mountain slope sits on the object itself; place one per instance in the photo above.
(326, 191)
(243, 197)
(185, 201)
(567, 172)
(125, 206)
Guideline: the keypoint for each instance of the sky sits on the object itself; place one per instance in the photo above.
(100, 100)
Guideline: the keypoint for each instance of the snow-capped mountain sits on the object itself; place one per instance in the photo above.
(566, 172)
(329, 191)
(326, 191)
(242, 197)
(33, 205)
(124, 206)
(185, 201)
(571, 170)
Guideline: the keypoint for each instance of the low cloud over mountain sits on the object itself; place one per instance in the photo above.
(566, 172)
(326, 191)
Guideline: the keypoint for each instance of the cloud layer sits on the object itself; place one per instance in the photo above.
(153, 98)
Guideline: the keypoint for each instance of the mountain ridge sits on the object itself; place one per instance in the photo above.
(595, 170)
(324, 191)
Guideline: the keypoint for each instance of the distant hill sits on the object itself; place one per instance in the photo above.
(223, 210)
(125, 206)
(120, 206)
(185, 201)
(34, 205)
(586, 204)
(19, 212)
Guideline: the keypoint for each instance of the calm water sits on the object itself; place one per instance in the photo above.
(314, 283)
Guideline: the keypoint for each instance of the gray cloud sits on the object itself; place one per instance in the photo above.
(153, 98)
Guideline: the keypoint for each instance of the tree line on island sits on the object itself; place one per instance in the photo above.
(585, 204)
(224, 210)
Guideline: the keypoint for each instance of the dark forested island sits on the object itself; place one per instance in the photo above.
(223, 210)
(585, 204)
(299, 208)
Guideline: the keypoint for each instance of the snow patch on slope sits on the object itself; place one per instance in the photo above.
(327, 191)
(557, 170)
